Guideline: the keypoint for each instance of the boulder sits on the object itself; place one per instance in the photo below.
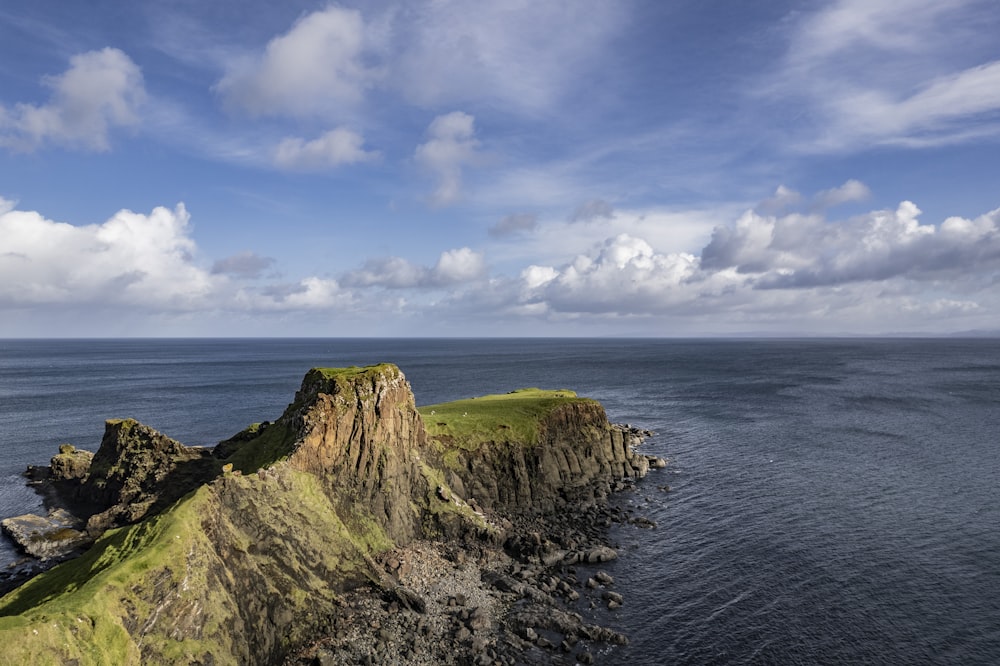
(47, 537)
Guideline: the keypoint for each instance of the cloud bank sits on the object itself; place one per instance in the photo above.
(880, 271)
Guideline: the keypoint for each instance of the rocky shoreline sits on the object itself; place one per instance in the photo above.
(523, 602)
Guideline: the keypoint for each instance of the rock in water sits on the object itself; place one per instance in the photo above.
(51, 537)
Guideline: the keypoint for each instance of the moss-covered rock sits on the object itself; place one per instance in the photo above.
(531, 450)
(70, 464)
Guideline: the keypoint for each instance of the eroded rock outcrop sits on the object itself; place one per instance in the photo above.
(138, 471)
(286, 516)
(576, 457)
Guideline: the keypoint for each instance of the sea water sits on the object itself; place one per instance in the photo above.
(827, 501)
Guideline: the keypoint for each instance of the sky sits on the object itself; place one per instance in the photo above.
(421, 168)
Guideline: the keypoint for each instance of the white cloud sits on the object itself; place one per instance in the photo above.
(132, 259)
(883, 271)
(797, 251)
(317, 293)
(519, 56)
(454, 267)
(100, 91)
(943, 111)
(886, 25)
(670, 231)
(458, 266)
(334, 148)
(451, 145)
(624, 276)
(315, 69)
(782, 199)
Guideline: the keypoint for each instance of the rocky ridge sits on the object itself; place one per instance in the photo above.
(271, 546)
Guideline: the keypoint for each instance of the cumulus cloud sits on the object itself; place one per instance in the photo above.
(595, 209)
(798, 251)
(315, 69)
(311, 293)
(144, 263)
(131, 259)
(243, 265)
(624, 275)
(514, 224)
(454, 267)
(451, 145)
(101, 90)
(878, 272)
(334, 148)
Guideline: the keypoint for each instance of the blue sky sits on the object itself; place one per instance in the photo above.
(389, 168)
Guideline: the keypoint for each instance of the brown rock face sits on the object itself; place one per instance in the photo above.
(361, 436)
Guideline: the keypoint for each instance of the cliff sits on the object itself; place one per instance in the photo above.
(540, 450)
(239, 555)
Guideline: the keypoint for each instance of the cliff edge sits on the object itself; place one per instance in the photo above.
(244, 553)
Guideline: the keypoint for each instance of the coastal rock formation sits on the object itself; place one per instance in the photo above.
(70, 464)
(136, 472)
(47, 537)
(244, 554)
(576, 457)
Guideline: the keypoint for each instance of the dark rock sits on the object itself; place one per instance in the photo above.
(478, 620)
(407, 599)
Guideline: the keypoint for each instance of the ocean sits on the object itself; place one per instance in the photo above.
(827, 501)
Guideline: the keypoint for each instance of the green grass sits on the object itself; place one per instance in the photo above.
(79, 610)
(354, 371)
(74, 611)
(506, 417)
(349, 380)
(274, 443)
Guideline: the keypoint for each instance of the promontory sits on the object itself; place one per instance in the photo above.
(355, 528)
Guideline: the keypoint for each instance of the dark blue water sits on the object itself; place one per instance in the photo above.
(831, 501)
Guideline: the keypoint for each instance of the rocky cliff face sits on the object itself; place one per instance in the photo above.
(362, 437)
(138, 471)
(578, 454)
(248, 565)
